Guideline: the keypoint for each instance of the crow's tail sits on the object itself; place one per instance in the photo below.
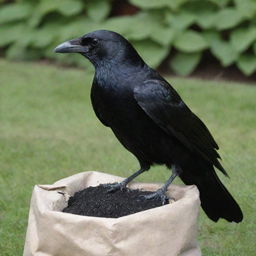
(216, 201)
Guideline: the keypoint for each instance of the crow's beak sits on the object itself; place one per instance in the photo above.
(72, 46)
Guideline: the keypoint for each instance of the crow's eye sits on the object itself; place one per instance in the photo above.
(94, 42)
(89, 41)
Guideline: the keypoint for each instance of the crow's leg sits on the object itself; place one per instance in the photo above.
(161, 192)
(123, 184)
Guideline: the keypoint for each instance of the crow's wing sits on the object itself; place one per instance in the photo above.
(165, 107)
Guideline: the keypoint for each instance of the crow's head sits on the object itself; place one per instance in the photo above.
(101, 46)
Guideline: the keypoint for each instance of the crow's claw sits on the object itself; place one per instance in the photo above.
(114, 187)
(159, 194)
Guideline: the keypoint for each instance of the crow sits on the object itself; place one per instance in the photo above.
(150, 120)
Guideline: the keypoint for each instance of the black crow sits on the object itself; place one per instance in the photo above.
(150, 119)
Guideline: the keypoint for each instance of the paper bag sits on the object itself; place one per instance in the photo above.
(169, 230)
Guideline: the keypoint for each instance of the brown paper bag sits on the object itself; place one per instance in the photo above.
(169, 230)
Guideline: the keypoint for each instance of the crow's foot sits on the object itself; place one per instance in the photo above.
(114, 186)
(159, 194)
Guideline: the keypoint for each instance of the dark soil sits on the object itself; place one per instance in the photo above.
(98, 202)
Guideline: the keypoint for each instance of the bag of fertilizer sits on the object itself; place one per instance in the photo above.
(167, 230)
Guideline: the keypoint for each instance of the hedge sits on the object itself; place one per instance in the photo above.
(185, 28)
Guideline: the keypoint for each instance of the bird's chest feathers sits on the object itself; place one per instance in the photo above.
(112, 97)
(111, 88)
(106, 91)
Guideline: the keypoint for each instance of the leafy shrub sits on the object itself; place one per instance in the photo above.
(187, 28)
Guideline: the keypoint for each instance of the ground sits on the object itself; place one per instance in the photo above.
(48, 131)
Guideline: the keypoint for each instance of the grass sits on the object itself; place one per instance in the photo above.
(48, 131)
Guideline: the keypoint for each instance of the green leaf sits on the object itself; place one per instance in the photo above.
(98, 10)
(44, 36)
(222, 50)
(137, 29)
(203, 11)
(16, 11)
(44, 7)
(227, 18)
(246, 7)
(151, 52)
(185, 63)
(47, 6)
(133, 27)
(242, 38)
(206, 21)
(70, 7)
(211, 36)
(155, 28)
(121, 24)
(175, 4)
(190, 41)
(18, 51)
(163, 35)
(220, 3)
(11, 33)
(199, 7)
(247, 64)
(79, 26)
(65, 7)
(147, 4)
(181, 20)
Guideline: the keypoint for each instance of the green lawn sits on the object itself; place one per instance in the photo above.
(48, 131)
